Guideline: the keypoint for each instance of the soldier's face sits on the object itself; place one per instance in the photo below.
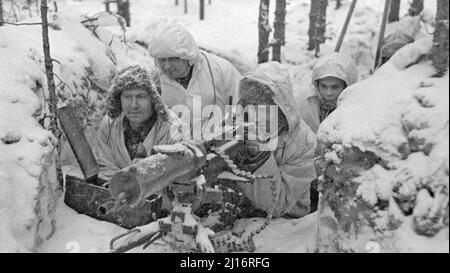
(174, 67)
(330, 88)
(136, 105)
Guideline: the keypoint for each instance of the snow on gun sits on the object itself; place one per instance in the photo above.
(151, 175)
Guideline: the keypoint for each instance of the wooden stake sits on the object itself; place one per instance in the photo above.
(345, 27)
(387, 4)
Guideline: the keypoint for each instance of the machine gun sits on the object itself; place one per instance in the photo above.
(200, 162)
(126, 200)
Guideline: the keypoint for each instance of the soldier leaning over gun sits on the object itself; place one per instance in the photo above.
(290, 163)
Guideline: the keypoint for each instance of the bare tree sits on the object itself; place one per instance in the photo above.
(394, 11)
(53, 100)
(416, 7)
(279, 30)
(440, 40)
(1, 12)
(263, 31)
(123, 9)
(317, 24)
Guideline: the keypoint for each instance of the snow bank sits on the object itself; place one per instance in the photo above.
(75, 232)
(28, 187)
(84, 65)
(391, 135)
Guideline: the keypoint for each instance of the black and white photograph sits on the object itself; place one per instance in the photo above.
(249, 127)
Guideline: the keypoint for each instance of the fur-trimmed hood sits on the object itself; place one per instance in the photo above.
(133, 77)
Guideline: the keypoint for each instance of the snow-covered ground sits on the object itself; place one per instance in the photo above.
(230, 25)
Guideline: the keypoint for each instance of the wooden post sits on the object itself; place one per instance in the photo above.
(78, 142)
(279, 29)
(345, 27)
(440, 40)
(338, 4)
(263, 31)
(176, 2)
(185, 6)
(394, 11)
(53, 99)
(202, 10)
(382, 30)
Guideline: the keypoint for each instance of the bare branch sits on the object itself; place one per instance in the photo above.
(20, 24)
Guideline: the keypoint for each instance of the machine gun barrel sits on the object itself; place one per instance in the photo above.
(152, 174)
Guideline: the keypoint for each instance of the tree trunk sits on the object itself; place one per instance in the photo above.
(123, 9)
(440, 40)
(107, 9)
(416, 7)
(317, 24)
(53, 99)
(202, 10)
(264, 31)
(279, 27)
(1, 12)
(394, 11)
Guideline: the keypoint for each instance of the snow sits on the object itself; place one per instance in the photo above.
(294, 236)
(230, 28)
(27, 181)
(384, 104)
(400, 114)
(83, 66)
(376, 185)
(76, 232)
